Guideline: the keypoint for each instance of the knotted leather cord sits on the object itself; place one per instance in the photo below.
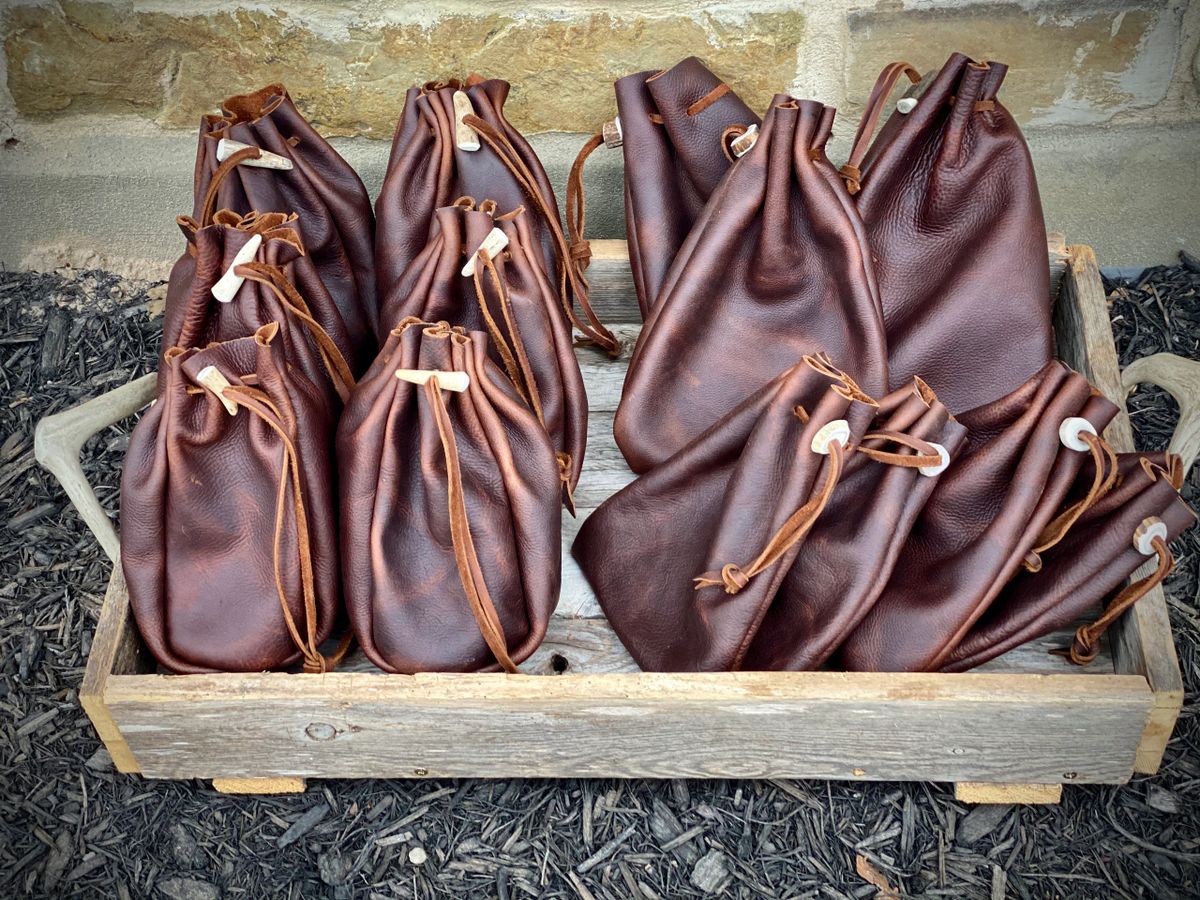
(798, 524)
(734, 577)
(884, 84)
(480, 600)
(572, 282)
(275, 278)
(261, 405)
(209, 207)
(1086, 644)
(1105, 463)
(576, 207)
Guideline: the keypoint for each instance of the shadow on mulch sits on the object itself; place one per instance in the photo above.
(74, 828)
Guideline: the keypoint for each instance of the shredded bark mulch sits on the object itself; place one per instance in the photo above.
(72, 827)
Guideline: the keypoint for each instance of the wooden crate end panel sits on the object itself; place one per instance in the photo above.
(1059, 729)
(281, 785)
(1160, 725)
(982, 792)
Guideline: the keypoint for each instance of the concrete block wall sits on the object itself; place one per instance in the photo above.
(99, 99)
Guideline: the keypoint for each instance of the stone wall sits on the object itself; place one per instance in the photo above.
(77, 67)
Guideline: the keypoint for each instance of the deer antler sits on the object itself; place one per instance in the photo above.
(58, 440)
(1181, 379)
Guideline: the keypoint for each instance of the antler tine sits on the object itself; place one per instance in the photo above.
(1181, 379)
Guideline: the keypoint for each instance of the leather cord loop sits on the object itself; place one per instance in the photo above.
(884, 84)
(208, 208)
(260, 404)
(1104, 460)
(469, 571)
(572, 283)
(274, 278)
(1086, 645)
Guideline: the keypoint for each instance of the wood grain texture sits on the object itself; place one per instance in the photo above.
(981, 792)
(115, 650)
(994, 728)
(283, 785)
(1141, 639)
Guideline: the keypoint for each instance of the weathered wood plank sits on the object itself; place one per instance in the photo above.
(1142, 641)
(982, 792)
(115, 650)
(972, 727)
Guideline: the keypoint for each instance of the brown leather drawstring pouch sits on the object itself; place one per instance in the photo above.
(1088, 569)
(303, 175)
(451, 512)
(229, 538)
(481, 270)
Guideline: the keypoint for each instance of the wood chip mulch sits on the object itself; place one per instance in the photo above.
(71, 827)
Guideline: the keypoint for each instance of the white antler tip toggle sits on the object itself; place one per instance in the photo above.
(211, 378)
(905, 105)
(741, 145)
(613, 135)
(1071, 432)
(495, 241)
(836, 430)
(465, 137)
(1143, 537)
(265, 159)
(932, 471)
(447, 381)
(230, 283)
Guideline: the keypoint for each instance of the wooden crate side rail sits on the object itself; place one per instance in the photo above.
(1141, 640)
(731, 725)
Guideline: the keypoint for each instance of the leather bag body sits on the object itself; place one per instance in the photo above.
(985, 517)
(306, 323)
(335, 216)
(848, 557)
(450, 510)
(1091, 563)
(672, 557)
(954, 221)
(430, 168)
(676, 125)
(229, 521)
(511, 298)
(775, 268)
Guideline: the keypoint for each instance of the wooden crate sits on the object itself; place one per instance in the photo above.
(1016, 729)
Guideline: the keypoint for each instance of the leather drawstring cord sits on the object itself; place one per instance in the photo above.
(1104, 459)
(274, 278)
(884, 84)
(734, 577)
(516, 360)
(1086, 645)
(571, 281)
(799, 523)
(209, 207)
(469, 572)
(260, 404)
(576, 208)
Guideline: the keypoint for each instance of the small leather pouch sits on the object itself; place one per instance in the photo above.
(451, 520)
(228, 512)
(237, 168)
(950, 203)
(510, 296)
(453, 140)
(995, 510)
(687, 561)
(1111, 540)
(775, 268)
